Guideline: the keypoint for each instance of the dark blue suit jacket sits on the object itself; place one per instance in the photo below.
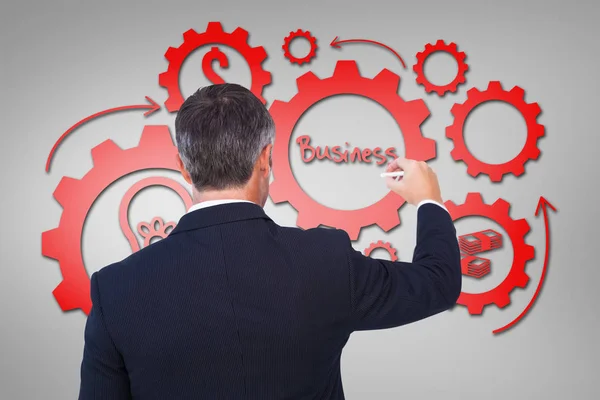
(233, 306)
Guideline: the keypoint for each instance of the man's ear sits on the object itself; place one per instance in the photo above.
(265, 159)
(183, 171)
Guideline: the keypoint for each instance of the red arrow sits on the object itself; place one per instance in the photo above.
(335, 43)
(152, 107)
(543, 205)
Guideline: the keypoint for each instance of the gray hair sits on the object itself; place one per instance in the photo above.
(220, 132)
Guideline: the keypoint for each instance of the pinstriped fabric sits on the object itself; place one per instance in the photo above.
(233, 306)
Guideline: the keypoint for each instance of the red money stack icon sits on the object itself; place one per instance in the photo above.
(478, 242)
(474, 243)
(476, 267)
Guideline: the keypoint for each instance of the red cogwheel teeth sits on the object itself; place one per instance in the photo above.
(76, 196)
(300, 34)
(516, 230)
(346, 79)
(514, 97)
(214, 34)
(451, 49)
(382, 245)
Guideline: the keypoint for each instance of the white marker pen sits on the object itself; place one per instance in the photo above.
(395, 174)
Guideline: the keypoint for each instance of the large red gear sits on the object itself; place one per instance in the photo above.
(346, 79)
(514, 97)
(155, 151)
(451, 49)
(382, 245)
(214, 34)
(300, 34)
(522, 252)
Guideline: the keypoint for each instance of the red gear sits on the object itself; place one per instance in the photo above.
(382, 245)
(514, 97)
(155, 151)
(451, 49)
(516, 230)
(311, 40)
(214, 34)
(346, 79)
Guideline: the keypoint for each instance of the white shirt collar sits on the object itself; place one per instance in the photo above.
(210, 203)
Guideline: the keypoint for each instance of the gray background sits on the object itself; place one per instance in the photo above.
(64, 60)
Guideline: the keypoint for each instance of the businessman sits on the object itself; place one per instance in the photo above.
(233, 306)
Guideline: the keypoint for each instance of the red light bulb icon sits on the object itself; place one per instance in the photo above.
(156, 228)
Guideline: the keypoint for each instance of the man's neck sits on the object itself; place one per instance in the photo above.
(234, 194)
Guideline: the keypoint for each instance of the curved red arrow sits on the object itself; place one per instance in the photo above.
(335, 43)
(543, 204)
(152, 107)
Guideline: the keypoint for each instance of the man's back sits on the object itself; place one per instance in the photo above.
(233, 306)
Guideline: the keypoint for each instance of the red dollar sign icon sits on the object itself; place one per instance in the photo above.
(214, 34)
(207, 64)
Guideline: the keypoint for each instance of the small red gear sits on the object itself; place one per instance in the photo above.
(300, 34)
(514, 97)
(382, 245)
(214, 34)
(516, 230)
(451, 49)
(155, 151)
(346, 79)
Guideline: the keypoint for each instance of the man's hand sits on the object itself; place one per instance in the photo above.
(418, 183)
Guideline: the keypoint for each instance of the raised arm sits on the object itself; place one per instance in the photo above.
(386, 294)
